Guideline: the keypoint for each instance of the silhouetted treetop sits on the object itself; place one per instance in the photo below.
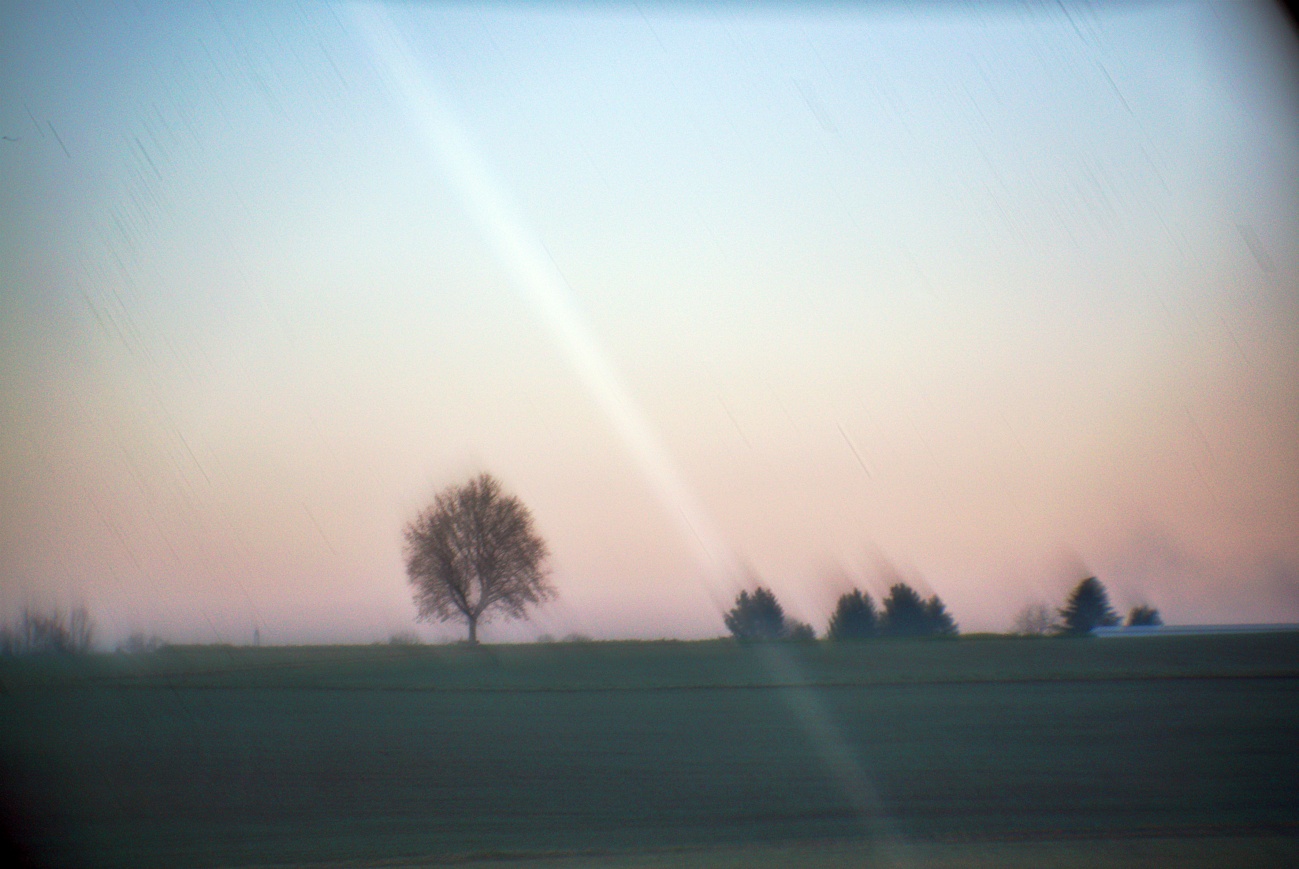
(854, 618)
(940, 622)
(757, 617)
(906, 614)
(1087, 607)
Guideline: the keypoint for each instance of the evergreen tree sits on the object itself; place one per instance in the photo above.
(940, 621)
(854, 618)
(1088, 607)
(907, 614)
(904, 613)
(756, 617)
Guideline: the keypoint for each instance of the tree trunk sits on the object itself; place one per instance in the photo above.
(473, 630)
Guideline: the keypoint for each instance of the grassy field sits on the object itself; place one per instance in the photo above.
(976, 752)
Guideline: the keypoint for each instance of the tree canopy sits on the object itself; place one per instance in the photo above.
(906, 614)
(1087, 608)
(1144, 617)
(759, 617)
(854, 617)
(473, 554)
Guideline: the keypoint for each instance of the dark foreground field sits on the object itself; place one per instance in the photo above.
(1125, 752)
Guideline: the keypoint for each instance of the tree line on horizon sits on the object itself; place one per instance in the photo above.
(903, 613)
(473, 554)
(759, 617)
(756, 617)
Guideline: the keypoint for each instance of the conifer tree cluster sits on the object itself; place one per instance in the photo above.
(903, 613)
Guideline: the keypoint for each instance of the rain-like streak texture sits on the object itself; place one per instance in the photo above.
(769, 294)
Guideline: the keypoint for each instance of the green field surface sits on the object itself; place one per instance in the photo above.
(1178, 750)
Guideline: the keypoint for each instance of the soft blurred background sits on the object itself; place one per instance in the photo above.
(986, 299)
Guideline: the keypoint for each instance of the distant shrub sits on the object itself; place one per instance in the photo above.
(799, 632)
(137, 643)
(404, 638)
(576, 638)
(55, 631)
(1144, 617)
(854, 618)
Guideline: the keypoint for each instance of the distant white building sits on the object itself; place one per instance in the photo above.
(1151, 630)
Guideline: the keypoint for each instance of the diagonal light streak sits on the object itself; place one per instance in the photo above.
(534, 272)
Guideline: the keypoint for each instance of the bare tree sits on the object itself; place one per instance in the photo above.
(1035, 620)
(138, 643)
(52, 631)
(473, 553)
(81, 630)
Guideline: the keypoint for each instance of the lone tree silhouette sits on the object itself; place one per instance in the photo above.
(757, 617)
(473, 553)
(854, 618)
(1088, 607)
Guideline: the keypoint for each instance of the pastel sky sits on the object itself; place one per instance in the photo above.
(816, 295)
